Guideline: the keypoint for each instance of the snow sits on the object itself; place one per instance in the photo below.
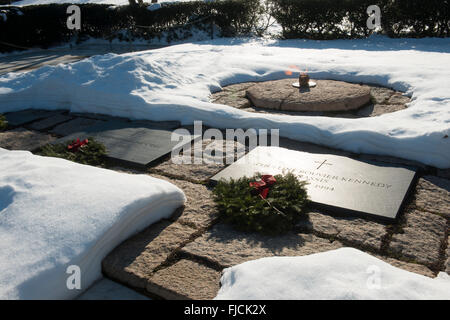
(175, 83)
(55, 213)
(342, 274)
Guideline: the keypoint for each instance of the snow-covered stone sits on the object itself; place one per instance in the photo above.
(55, 213)
(342, 274)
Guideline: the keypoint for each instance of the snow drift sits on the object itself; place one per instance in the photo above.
(175, 83)
(342, 274)
(55, 213)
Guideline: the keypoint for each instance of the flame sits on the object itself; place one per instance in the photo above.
(290, 72)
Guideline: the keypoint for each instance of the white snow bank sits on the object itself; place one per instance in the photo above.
(342, 274)
(175, 83)
(55, 213)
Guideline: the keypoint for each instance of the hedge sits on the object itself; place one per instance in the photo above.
(334, 19)
(45, 25)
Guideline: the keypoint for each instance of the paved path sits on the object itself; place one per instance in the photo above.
(32, 59)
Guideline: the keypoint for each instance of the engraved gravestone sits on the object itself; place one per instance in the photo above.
(136, 144)
(339, 183)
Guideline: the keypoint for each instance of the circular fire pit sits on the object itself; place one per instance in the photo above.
(327, 95)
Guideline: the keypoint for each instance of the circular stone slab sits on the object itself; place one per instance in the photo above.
(328, 95)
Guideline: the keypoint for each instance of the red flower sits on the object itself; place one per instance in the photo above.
(76, 145)
(263, 186)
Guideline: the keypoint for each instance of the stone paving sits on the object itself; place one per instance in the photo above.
(183, 257)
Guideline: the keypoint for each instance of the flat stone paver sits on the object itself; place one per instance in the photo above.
(433, 195)
(200, 209)
(49, 122)
(398, 98)
(381, 95)
(194, 171)
(20, 118)
(24, 139)
(379, 109)
(134, 261)
(421, 237)
(75, 125)
(447, 263)
(185, 280)
(358, 232)
(226, 247)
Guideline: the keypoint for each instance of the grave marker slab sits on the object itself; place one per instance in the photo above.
(339, 183)
(25, 116)
(132, 143)
(49, 122)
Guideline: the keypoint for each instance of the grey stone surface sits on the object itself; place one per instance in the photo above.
(49, 122)
(447, 262)
(381, 95)
(342, 184)
(130, 143)
(379, 109)
(134, 261)
(356, 232)
(198, 169)
(433, 195)
(421, 237)
(23, 139)
(185, 280)
(75, 125)
(25, 116)
(105, 289)
(328, 95)
(200, 209)
(227, 247)
(398, 98)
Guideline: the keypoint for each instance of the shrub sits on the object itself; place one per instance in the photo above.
(417, 18)
(45, 25)
(3, 123)
(241, 207)
(333, 19)
(94, 153)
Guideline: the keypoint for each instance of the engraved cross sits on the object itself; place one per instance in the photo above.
(322, 163)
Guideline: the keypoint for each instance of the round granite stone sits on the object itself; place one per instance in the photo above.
(328, 95)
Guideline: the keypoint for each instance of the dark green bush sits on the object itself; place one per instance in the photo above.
(417, 18)
(333, 19)
(94, 153)
(241, 207)
(3, 123)
(45, 25)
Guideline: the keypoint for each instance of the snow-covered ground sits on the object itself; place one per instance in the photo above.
(55, 213)
(175, 83)
(342, 274)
